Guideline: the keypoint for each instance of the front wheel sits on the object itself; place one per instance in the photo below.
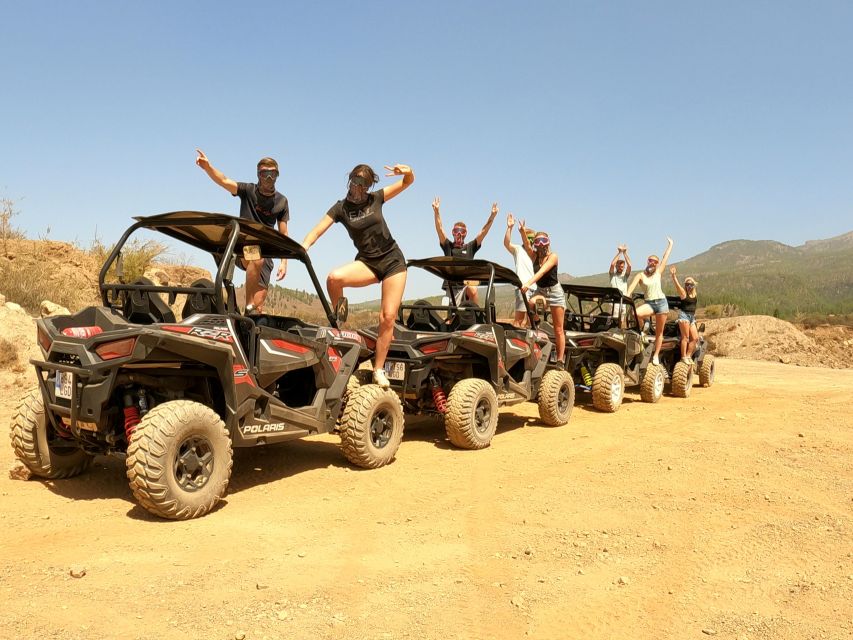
(706, 371)
(608, 387)
(179, 460)
(39, 447)
(682, 379)
(651, 388)
(556, 398)
(472, 414)
(371, 426)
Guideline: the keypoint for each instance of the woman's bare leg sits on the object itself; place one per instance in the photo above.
(660, 321)
(392, 295)
(684, 328)
(558, 315)
(354, 274)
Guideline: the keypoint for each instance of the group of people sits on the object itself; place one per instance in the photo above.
(654, 300)
(379, 258)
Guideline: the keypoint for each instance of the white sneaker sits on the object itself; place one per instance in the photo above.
(381, 379)
(687, 360)
(655, 360)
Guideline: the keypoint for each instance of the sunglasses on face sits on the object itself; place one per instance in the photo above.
(359, 181)
(653, 263)
(541, 242)
(459, 231)
(689, 285)
(268, 173)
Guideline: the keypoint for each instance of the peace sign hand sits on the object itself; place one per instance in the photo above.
(436, 205)
(398, 170)
(510, 221)
(494, 209)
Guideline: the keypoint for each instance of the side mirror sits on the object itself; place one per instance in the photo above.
(342, 309)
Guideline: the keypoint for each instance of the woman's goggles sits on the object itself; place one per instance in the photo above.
(541, 242)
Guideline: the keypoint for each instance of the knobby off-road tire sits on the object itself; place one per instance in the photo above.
(608, 387)
(371, 426)
(651, 388)
(43, 456)
(358, 378)
(556, 398)
(682, 379)
(706, 371)
(179, 460)
(472, 414)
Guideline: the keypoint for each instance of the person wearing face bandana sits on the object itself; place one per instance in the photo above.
(655, 301)
(547, 281)
(379, 259)
(459, 248)
(686, 315)
(262, 203)
(620, 269)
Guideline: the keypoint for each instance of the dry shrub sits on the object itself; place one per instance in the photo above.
(8, 354)
(20, 283)
(137, 256)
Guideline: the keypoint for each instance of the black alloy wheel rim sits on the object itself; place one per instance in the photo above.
(194, 463)
(563, 399)
(381, 428)
(482, 415)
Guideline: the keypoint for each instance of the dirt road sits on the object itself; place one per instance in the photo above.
(728, 514)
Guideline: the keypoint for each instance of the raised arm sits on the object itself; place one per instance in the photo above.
(681, 292)
(549, 263)
(634, 284)
(510, 223)
(613, 262)
(319, 229)
(666, 253)
(401, 185)
(627, 260)
(524, 241)
(482, 235)
(439, 229)
(215, 174)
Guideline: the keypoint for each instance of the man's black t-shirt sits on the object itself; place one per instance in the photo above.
(365, 224)
(267, 210)
(467, 250)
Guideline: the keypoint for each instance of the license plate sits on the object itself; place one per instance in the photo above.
(395, 370)
(63, 385)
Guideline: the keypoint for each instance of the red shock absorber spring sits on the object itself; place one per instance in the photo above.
(439, 398)
(131, 419)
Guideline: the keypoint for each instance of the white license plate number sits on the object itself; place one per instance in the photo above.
(395, 370)
(63, 385)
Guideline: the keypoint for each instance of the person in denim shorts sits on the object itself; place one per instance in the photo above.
(655, 300)
(545, 264)
(686, 315)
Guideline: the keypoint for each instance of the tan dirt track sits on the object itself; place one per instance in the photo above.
(727, 514)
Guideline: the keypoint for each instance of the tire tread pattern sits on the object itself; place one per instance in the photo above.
(682, 379)
(459, 420)
(362, 403)
(649, 391)
(549, 393)
(602, 383)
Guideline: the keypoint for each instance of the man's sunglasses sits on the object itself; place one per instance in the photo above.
(459, 231)
(653, 262)
(268, 173)
(541, 242)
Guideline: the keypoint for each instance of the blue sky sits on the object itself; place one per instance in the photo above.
(600, 122)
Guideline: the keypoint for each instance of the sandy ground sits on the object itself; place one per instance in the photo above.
(728, 514)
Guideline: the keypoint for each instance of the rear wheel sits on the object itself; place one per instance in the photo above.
(179, 460)
(651, 388)
(608, 387)
(39, 447)
(371, 426)
(556, 398)
(682, 379)
(706, 371)
(472, 414)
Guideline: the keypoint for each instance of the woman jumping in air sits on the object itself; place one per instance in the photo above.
(379, 258)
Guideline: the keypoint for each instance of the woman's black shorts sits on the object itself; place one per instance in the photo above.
(385, 265)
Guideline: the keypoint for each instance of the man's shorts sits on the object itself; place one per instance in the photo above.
(385, 265)
(266, 272)
(555, 295)
(521, 300)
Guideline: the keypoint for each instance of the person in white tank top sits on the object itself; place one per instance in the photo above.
(655, 300)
